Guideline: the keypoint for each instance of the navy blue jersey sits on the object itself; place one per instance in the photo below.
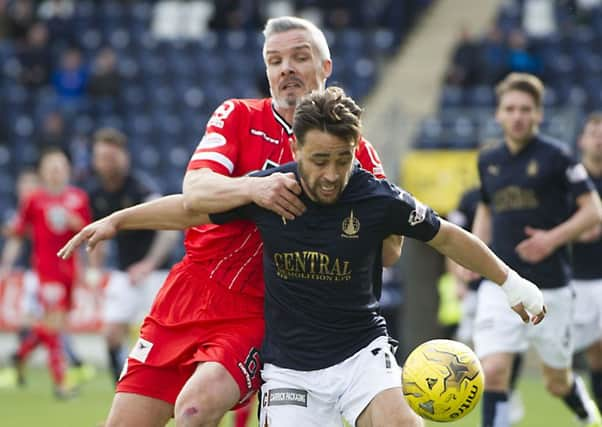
(463, 216)
(535, 187)
(320, 307)
(587, 256)
(132, 245)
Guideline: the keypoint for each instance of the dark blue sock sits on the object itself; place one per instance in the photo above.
(74, 359)
(495, 409)
(116, 361)
(575, 400)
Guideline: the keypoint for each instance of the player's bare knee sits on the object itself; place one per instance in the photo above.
(557, 386)
(195, 414)
(496, 374)
(115, 334)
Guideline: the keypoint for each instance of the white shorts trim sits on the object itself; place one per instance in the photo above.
(127, 303)
(587, 325)
(322, 398)
(498, 329)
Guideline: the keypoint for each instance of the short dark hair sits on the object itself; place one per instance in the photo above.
(330, 111)
(49, 150)
(522, 82)
(110, 136)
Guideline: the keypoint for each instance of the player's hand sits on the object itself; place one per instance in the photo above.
(139, 271)
(525, 298)
(92, 234)
(537, 247)
(279, 193)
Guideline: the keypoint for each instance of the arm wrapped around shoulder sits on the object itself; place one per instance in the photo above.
(519, 290)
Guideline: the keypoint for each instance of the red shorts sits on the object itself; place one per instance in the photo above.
(55, 295)
(194, 320)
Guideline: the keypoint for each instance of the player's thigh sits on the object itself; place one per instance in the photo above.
(497, 328)
(134, 410)
(368, 373)
(587, 320)
(120, 299)
(553, 338)
(211, 388)
(298, 398)
(558, 381)
(389, 408)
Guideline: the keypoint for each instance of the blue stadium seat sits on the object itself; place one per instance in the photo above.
(451, 97)
(480, 96)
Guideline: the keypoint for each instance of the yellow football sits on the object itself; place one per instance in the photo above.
(442, 380)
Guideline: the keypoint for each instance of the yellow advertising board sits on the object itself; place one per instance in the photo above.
(439, 177)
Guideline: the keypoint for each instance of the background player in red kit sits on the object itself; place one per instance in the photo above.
(51, 214)
(197, 355)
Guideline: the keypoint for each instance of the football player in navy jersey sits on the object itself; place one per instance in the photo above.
(468, 284)
(587, 268)
(326, 348)
(527, 184)
(140, 254)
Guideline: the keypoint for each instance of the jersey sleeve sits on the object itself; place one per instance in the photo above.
(24, 217)
(576, 176)
(241, 213)
(218, 149)
(369, 160)
(483, 191)
(409, 217)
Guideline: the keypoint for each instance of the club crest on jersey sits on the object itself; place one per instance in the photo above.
(532, 168)
(418, 215)
(493, 170)
(350, 226)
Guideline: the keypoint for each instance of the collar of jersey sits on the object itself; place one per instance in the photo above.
(280, 119)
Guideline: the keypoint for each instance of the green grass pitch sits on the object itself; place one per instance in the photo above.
(34, 405)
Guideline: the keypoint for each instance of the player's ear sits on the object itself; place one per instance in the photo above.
(327, 68)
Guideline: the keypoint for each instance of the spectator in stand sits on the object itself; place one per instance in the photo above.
(463, 69)
(236, 15)
(104, 78)
(53, 132)
(70, 80)
(57, 15)
(105, 81)
(34, 57)
(20, 17)
(520, 57)
(493, 53)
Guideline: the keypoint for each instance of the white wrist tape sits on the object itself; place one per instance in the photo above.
(519, 290)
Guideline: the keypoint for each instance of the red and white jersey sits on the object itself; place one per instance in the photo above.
(244, 136)
(44, 217)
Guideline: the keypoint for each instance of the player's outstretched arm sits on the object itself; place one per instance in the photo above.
(209, 192)
(165, 213)
(467, 250)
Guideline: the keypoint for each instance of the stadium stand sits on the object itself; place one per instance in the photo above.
(157, 70)
(564, 52)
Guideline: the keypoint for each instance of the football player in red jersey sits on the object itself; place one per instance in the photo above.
(52, 214)
(197, 355)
